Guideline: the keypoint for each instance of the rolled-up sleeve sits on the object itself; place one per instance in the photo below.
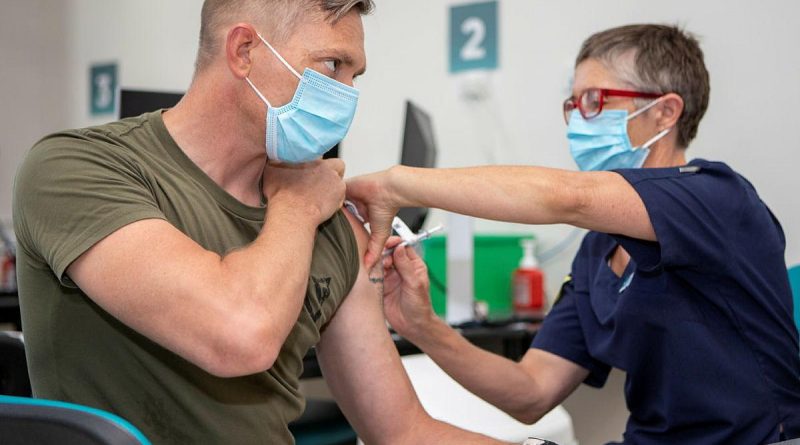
(562, 335)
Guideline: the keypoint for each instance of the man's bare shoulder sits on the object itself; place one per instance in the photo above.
(360, 232)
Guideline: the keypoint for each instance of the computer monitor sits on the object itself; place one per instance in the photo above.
(135, 102)
(419, 150)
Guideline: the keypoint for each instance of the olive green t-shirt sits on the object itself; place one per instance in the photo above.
(77, 187)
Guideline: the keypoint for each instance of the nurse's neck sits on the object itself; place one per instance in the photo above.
(665, 156)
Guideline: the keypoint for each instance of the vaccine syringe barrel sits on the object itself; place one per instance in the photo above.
(528, 282)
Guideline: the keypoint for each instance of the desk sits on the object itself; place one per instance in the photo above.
(510, 340)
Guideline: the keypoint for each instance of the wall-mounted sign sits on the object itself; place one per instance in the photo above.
(473, 37)
(103, 89)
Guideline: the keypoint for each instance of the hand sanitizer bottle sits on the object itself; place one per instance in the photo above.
(528, 283)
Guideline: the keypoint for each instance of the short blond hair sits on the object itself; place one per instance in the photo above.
(278, 16)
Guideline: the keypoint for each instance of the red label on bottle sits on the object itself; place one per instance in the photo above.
(528, 290)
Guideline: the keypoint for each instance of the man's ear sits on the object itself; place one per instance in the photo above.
(239, 43)
(670, 110)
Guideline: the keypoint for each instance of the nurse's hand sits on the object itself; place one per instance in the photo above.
(372, 196)
(406, 301)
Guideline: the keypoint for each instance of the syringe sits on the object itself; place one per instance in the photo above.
(425, 234)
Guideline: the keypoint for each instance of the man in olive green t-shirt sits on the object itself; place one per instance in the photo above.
(168, 276)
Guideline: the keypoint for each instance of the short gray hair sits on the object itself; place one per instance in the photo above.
(656, 59)
(281, 15)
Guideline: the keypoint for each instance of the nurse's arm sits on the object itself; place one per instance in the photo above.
(599, 201)
(525, 390)
(365, 375)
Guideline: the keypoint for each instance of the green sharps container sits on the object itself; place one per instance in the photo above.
(495, 256)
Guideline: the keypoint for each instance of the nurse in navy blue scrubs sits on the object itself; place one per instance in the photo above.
(681, 281)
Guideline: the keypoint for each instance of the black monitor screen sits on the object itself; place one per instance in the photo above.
(135, 102)
(419, 150)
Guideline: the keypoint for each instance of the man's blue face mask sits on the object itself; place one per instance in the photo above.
(317, 118)
(602, 142)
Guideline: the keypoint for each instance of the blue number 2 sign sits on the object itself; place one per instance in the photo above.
(473, 37)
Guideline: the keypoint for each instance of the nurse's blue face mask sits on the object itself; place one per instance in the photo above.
(602, 142)
(317, 118)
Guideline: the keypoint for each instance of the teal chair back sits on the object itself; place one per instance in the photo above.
(25, 421)
(794, 280)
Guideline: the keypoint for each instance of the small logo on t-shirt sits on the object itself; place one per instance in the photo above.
(322, 291)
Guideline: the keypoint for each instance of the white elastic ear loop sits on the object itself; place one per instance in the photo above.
(264, 99)
(644, 108)
(279, 57)
(655, 138)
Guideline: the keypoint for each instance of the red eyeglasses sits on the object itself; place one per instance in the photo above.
(591, 101)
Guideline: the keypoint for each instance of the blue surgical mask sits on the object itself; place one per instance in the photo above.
(317, 118)
(602, 142)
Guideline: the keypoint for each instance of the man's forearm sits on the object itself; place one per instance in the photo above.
(269, 277)
(277, 262)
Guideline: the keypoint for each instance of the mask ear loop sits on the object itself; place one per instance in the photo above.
(644, 108)
(658, 136)
(285, 63)
(263, 99)
(654, 139)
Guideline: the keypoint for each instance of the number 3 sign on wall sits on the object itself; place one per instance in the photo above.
(473, 37)
(103, 89)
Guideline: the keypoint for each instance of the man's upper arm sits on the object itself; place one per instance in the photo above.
(87, 211)
(361, 364)
(70, 192)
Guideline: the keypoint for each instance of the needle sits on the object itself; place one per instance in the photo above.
(416, 240)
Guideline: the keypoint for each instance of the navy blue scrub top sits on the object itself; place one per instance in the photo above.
(701, 320)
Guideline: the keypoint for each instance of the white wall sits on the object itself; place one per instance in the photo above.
(32, 88)
(154, 43)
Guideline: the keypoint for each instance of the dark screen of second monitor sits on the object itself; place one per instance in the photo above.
(419, 150)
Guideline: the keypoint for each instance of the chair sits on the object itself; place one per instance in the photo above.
(444, 399)
(794, 280)
(14, 379)
(26, 421)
